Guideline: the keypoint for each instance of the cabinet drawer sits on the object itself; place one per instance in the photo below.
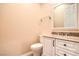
(72, 46)
(63, 52)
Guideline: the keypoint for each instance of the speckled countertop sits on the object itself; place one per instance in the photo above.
(69, 38)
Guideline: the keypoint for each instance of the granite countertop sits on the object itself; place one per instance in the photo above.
(69, 38)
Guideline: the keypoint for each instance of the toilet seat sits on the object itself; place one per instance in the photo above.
(37, 45)
(36, 49)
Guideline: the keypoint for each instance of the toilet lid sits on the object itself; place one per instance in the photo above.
(37, 45)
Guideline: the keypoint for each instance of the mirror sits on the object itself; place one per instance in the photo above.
(65, 15)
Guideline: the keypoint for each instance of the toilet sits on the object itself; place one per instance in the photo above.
(37, 49)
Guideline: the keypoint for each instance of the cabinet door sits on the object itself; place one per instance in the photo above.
(48, 46)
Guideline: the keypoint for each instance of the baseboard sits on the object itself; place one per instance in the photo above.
(28, 54)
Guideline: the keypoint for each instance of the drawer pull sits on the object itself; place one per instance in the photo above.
(53, 43)
(65, 55)
(65, 45)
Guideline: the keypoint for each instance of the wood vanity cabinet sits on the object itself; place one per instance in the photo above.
(53, 46)
(48, 45)
(66, 48)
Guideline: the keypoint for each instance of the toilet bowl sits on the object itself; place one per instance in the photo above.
(37, 49)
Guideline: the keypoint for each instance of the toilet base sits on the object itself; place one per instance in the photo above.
(37, 53)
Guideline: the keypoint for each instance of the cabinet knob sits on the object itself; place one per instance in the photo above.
(65, 45)
(65, 55)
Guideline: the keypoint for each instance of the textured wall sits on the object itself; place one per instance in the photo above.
(18, 27)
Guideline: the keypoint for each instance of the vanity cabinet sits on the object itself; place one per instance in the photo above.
(54, 46)
(48, 45)
(66, 48)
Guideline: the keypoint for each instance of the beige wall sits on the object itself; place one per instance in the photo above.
(18, 27)
(47, 25)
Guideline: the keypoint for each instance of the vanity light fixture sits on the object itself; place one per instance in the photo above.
(49, 17)
(41, 20)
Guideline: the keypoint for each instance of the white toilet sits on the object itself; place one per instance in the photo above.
(37, 49)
